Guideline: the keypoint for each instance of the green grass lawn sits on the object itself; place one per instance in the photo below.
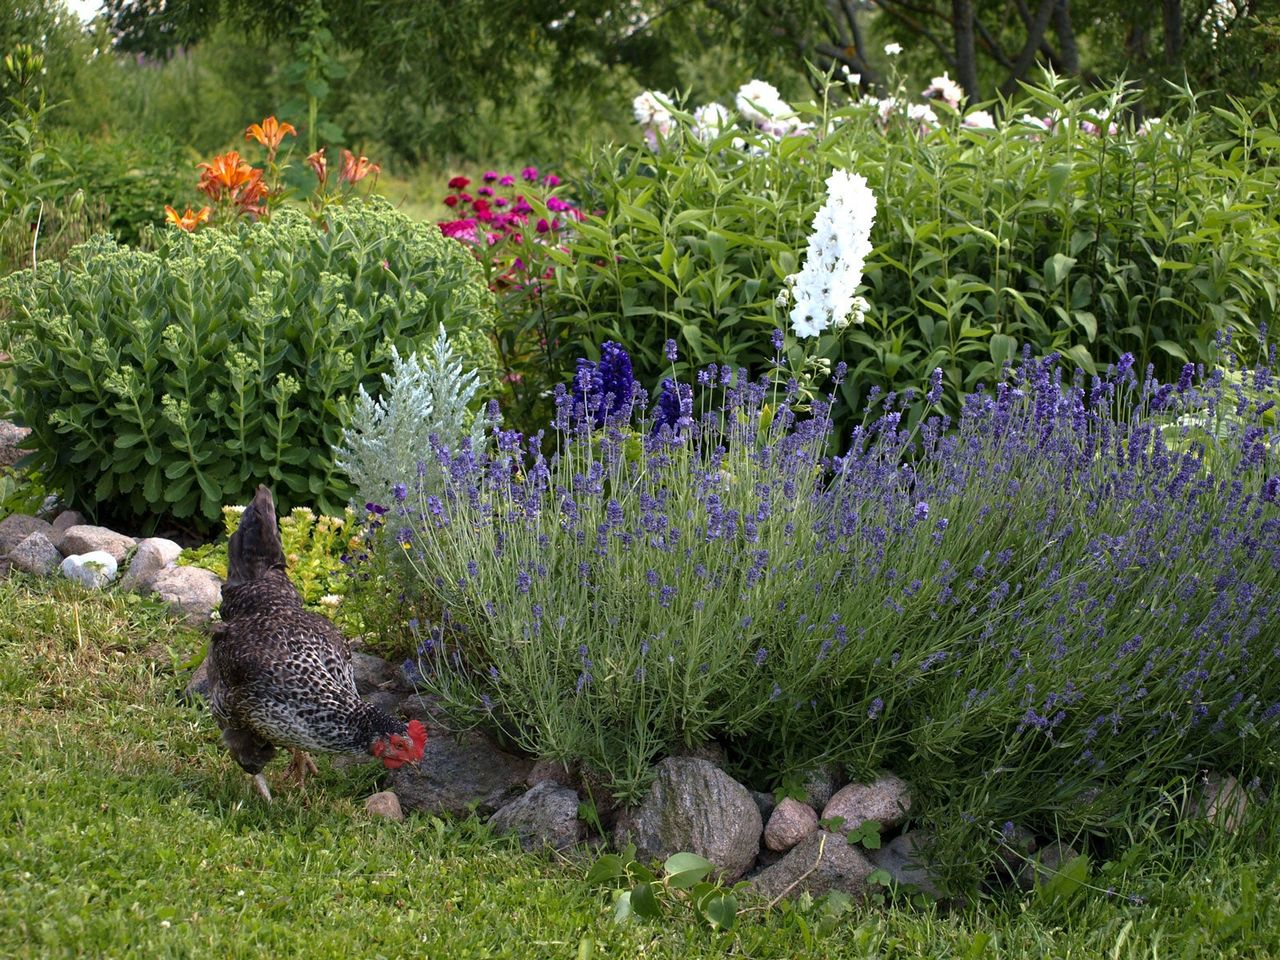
(126, 831)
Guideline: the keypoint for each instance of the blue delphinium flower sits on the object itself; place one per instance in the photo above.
(603, 388)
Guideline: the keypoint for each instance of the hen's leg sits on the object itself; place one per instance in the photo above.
(260, 782)
(299, 767)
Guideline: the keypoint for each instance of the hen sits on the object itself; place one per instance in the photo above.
(281, 676)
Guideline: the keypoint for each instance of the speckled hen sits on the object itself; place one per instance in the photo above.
(281, 676)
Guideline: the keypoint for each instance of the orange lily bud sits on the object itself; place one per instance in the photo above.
(319, 165)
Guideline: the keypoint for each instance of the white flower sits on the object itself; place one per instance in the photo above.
(922, 114)
(761, 104)
(978, 120)
(892, 49)
(710, 121)
(653, 112)
(330, 600)
(945, 89)
(886, 108)
(825, 288)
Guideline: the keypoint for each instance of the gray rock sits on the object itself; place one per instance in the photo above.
(374, 673)
(902, 858)
(10, 436)
(885, 802)
(459, 775)
(790, 822)
(424, 707)
(821, 863)
(693, 806)
(189, 592)
(764, 803)
(820, 785)
(388, 701)
(85, 538)
(151, 557)
(36, 554)
(1016, 846)
(385, 804)
(17, 527)
(64, 522)
(1045, 864)
(549, 771)
(198, 686)
(93, 570)
(546, 816)
(1217, 798)
(711, 751)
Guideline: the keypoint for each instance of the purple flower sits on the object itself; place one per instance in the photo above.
(670, 350)
(874, 710)
(400, 492)
(530, 174)
(921, 512)
(935, 386)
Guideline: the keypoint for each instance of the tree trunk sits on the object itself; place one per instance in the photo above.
(1035, 34)
(1172, 10)
(966, 55)
(1070, 55)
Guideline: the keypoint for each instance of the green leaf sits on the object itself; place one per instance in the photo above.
(721, 911)
(684, 870)
(622, 907)
(609, 867)
(645, 902)
(1056, 269)
(1171, 348)
(1003, 347)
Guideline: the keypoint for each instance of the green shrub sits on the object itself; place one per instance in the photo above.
(172, 382)
(985, 240)
(132, 179)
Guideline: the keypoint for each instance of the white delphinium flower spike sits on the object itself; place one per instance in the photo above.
(825, 290)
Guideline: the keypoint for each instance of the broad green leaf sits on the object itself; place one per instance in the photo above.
(1056, 269)
(686, 869)
(645, 902)
(721, 911)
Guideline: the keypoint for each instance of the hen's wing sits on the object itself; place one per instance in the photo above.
(287, 677)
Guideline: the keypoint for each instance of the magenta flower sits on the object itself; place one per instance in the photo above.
(543, 226)
(490, 176)
(485, 191)
(507, 181)
(551, 180)
(530, 174)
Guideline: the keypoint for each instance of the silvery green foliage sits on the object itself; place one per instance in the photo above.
(389, 437)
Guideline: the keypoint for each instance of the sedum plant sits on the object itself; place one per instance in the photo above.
(171, 382)
(422, 398)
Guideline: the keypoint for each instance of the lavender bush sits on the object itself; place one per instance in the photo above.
(1042, 613)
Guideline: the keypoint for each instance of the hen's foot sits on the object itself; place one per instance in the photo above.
(260, 784)
(299, 767)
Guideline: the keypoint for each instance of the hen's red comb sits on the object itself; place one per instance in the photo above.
(418, 734)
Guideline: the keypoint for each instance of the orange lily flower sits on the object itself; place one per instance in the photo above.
(319, 165)
(353, 170)
(269, 133)
(251, 198)
(186, 221)
(224, 174)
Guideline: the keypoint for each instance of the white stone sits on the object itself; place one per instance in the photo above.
(95, 569)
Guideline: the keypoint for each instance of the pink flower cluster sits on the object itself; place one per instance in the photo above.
(495, 213)
(498, 213)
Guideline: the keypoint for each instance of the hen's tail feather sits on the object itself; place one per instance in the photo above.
(255, 547)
